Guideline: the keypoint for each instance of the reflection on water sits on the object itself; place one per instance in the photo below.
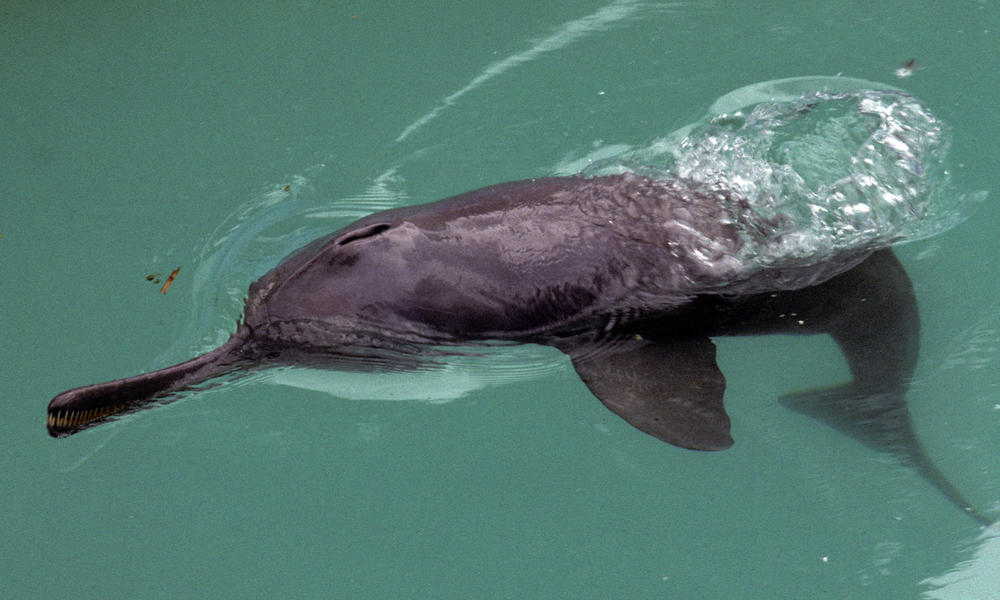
(461, 375)
(565, 34)
(977, 578)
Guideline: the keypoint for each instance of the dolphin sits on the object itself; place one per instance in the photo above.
(630, 276)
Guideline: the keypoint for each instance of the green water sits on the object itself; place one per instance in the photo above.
(130, 134)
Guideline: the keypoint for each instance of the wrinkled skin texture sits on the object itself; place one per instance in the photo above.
(503, 262)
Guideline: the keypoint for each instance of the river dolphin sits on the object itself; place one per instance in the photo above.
(629, 276)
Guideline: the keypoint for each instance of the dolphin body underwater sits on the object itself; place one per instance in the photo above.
(629, 274)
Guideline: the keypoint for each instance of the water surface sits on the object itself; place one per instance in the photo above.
(138, 141)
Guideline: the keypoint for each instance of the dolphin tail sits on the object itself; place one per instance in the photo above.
(880, 420)
(81, 408)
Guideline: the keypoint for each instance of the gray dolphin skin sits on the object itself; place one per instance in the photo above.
(631, 277)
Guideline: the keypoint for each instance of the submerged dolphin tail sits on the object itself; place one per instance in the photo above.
(882, 422)
(84, 407)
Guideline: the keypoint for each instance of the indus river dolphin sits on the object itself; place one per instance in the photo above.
(630, 276)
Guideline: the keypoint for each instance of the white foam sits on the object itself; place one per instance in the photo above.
(821, 165)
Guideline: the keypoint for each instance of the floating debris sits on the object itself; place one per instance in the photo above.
(908, 68)
(170, 280)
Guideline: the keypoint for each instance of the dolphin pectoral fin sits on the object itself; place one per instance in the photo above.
(672, 391)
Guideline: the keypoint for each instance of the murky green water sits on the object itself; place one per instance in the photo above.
(136, 139)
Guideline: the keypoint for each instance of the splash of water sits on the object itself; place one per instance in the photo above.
(825, 166)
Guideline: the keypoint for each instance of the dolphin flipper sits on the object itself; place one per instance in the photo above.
(671, 390)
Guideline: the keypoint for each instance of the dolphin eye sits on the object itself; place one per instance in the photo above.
(362, 233)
